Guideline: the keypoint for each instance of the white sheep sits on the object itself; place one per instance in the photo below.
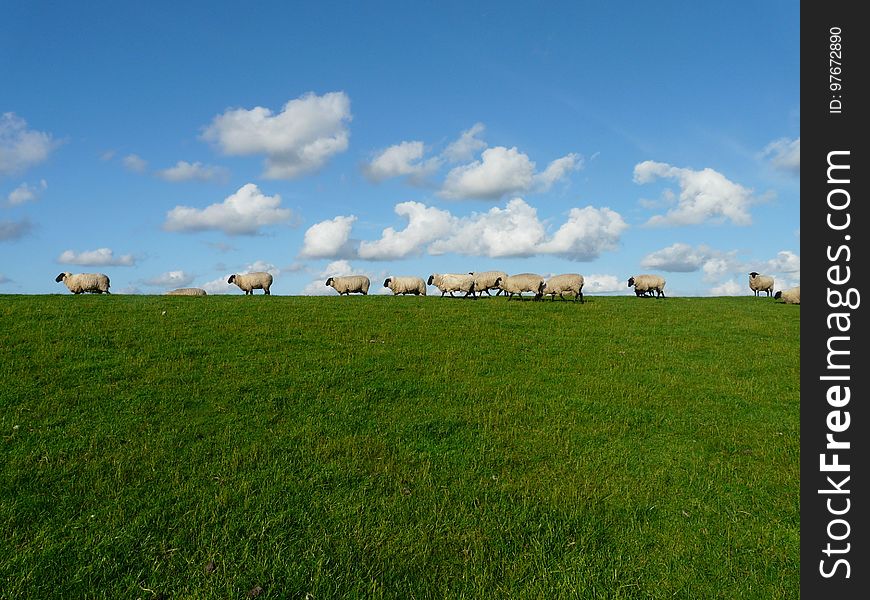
(523, 282)
(453, 282)
(187, 292)
(249, 282)
(350, 284)
(485, 281)
(789, 296)
(648, 284)
(571, 283)
(80, 283)
(406, 285)
(760, 283)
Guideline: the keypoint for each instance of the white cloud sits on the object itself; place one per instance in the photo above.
(135, 163)
(514, 230)
(786, 261)
(425, 224)
(100, 257)
(263, 266)
(467, 146)
(220, 286)
(26, 193)
(13, 230)
(596, 283)
(328, 239)
(784, 154)
(185, 171)
(500, 171)
(401, 160)
(171, 279)
(242, 213)
(21, 148)
(300, 139)
(558, 170)
(586, 234)
(683, 258)
(729, 288)
(705, 195)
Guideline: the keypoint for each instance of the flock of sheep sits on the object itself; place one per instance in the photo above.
(473, 284)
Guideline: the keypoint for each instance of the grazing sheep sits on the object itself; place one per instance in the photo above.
(789, 296)
(571, 283)
(249, 282)
(350, 284)
(485, 281)
(406, 285)
(187, 292)
(647, 284)
(80, 283)
(453, 282)
(760, 283)
(523, 282)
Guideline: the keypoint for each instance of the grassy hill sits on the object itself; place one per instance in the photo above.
(383, 447)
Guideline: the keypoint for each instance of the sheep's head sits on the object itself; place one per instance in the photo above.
(231, 279)
(387, 281)
(61, 277)
(430, 280)
(330, 281)
(498, 282)
(753, 275)
(630, 281)
(778, 295)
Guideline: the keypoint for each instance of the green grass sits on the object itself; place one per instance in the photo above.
(380, 447)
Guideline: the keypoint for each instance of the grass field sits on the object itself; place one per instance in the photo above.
(380, 447)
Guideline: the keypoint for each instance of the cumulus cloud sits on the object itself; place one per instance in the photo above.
(729, 288)
(784, 154)
(26, 193)
(100, 257)
(300, 139)
(264, 267)
(785, 261)
(401, 160)
(22, 148)
(185, 171)
(500, 171)
(171, 279)
(683, 258)
(13, 230)
(705, 196)
(467, 146)
(558, 170)
(242, 213)
(586, 234)
(328, 239)
(425, 225)
(135, 163)
(598, 283)
(220, 286)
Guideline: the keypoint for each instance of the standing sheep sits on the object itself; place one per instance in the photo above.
(80, 283)
(647, 284)
(571, 283)
(187, 292)
(453, 282)
(760, 283)
(485, 281)
(789, 296)
(249, 282)
(350, 284)
(523, 282)
(406, 285)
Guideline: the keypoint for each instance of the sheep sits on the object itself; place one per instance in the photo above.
(453, 282)
(187, 292)
(406, 285)
(789, 296)
(350, 284)
(485, 281)
(80, 283)
(647, 284)
(760, 283)
(559, 284)
(523, 282)
(249, 282)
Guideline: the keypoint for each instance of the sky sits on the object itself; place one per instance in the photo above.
(172, 144)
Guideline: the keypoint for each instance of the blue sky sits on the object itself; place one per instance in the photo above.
(173, 144)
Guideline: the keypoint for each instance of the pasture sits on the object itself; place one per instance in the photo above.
(381, 447)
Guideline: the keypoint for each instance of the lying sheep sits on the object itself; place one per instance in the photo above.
(350, 284)
(187, 292)
(80, 283)
(406, 285)
(647, 285)
(789, 296)
(760, 283)
(485, 281)
(523, 282)
(571, 283)
(453, 282)
(249, 282)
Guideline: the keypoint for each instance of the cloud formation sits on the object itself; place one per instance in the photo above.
(784, 154)
(14, 230)
(26, 193)
(328, 239)
(185, 171)
(401, 160)
(705, 196)
(242, 213)
(22, 148)
(99, 257)
(425, 224)
(171, 279)
(299, 140)
(135, 163)
(467, 146)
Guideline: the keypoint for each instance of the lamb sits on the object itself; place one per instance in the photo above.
(789, 296)
(647, 284)
(485, 281)
(760, 283)
(453, 282)
(523, 282)
(187, 292)
(80, 283)
(406, 285)
(350, 284)
(560, 284)
(249, 282)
